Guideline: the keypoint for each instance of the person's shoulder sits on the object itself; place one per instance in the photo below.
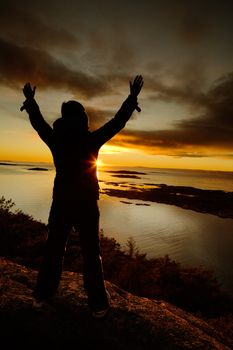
(91, 133)
(92, 138)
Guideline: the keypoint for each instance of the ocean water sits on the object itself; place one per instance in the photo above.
(190, 238)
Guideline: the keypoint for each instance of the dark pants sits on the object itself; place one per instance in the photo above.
(83, 215)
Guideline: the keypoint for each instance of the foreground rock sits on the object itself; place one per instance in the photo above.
(132, 323)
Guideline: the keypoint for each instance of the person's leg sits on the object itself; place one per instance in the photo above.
(51, 268)
(87, 224)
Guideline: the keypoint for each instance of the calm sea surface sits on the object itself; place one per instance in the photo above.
(191, 238)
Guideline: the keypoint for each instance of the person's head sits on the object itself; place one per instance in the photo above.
(74, 112)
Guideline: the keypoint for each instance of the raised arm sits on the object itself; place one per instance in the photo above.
(111, 128)
(37, 121)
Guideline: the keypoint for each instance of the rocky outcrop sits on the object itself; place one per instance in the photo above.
(213, 202)
(132, 323)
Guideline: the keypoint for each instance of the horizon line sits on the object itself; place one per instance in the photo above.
(18, 162)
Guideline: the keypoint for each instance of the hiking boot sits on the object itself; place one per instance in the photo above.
(38, 304)
(102, 312)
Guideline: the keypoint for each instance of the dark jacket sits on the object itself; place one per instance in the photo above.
(75, 152)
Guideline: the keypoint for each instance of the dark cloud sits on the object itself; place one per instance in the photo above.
(193, 29)
(29, 28)
(211, 129)
(29, 43)
(193, 20)
(174, 93)
(34, 48)
(216, 123)
(98, 117)
(207, 154)
(20, 64)
(185, 85)
(32, 28)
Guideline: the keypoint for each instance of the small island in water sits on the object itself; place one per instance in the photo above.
(38, 169)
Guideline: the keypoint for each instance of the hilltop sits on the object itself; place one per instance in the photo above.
(132, 323)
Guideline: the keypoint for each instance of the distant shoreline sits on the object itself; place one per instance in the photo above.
(113, 166)
(214, 202)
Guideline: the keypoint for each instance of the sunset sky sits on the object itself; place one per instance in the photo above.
(89, 51)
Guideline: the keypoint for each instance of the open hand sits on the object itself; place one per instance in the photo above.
(28, 91)
(136, 86)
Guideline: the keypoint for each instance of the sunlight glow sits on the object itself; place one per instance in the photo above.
(112, 149)
(99, 163)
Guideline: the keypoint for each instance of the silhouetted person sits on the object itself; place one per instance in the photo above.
(76, 192)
